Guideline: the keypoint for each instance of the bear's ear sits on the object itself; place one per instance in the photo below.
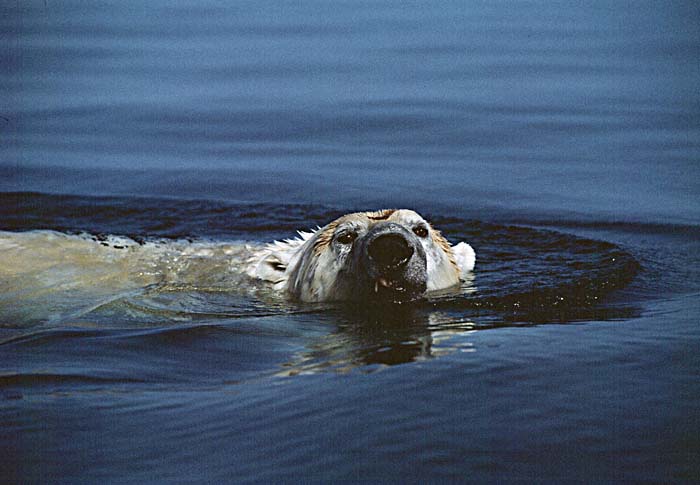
(268, 267)
(464, 257)
(271, 268)
(270, 262)
(276, 264)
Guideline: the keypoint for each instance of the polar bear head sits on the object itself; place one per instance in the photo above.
(388, 255)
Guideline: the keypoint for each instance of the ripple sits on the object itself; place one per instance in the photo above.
(175, 284)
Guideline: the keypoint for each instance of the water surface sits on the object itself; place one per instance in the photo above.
(560, 139)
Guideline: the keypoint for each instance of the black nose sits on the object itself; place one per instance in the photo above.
(390, 251)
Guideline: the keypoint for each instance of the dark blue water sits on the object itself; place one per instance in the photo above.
(560, 139)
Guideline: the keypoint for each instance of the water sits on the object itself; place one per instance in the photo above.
(561, 140)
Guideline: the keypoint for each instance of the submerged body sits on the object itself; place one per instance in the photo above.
(49, 276)
(391, 255)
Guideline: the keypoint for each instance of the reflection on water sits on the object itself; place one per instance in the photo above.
(370, 339)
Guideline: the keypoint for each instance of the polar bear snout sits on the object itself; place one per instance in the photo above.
(394, 263)
(390, 251)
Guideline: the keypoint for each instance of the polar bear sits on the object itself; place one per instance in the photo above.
(389, 255)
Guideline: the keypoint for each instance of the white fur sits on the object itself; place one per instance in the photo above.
(464, 257)
(279, 263)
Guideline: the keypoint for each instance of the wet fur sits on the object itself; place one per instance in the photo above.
(307, 268)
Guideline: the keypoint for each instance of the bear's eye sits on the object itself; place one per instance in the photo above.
(420, 231)
(347, 237)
